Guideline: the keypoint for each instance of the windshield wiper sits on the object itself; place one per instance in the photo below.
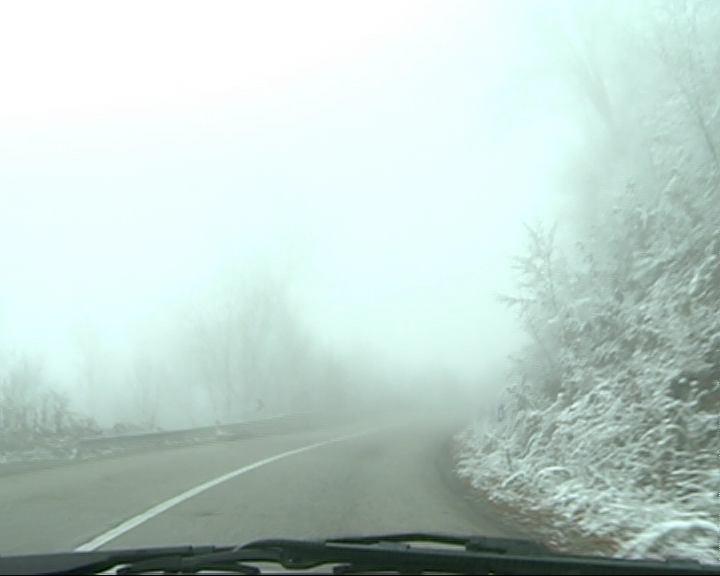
(97, 561)
(404, 553)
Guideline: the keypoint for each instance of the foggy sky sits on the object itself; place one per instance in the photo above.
(378, 157)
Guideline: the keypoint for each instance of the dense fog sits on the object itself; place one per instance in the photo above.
(212, 214)
(205, 212)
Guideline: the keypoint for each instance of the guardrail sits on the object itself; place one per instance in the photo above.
(106, 445)
(282, 424)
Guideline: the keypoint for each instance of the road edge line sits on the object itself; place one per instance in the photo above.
(165, 505)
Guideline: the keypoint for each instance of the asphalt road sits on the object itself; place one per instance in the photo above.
(361, 477)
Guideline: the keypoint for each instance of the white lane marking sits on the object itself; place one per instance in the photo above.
(135, 521)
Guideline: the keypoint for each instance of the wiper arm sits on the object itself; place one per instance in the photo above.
(229, 561)
(470, 543)
(354, 554)
(396, 553)
(94, 562)
(471, 555)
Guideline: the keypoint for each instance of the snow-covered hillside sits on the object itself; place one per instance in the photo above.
(612, 424)
(610, 429)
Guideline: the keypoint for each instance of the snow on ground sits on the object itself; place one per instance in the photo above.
(587, 498)
(610, 430)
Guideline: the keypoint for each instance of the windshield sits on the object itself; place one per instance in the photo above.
(318, 269)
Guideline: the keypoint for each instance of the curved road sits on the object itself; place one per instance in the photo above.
(370, 477)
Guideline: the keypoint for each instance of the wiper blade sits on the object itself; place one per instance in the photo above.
(94, 562)
(471, 555)
(470, 543)
(437, 553)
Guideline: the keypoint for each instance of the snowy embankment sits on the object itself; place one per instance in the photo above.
(609, 437)
(50, 451)
(585, 486)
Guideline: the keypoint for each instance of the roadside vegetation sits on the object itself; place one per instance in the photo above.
(36, 421)
(237, 352)
(609, 429)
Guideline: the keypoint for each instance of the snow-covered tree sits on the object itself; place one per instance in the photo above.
(610, 426)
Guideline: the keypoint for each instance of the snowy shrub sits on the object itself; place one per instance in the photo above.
(611, 424)
(32, 414)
